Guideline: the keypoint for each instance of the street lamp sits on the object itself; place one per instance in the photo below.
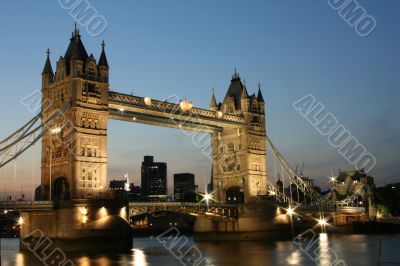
(185, 106)
(147, 101)
(290, 211)
(20, 221)
(207, 197)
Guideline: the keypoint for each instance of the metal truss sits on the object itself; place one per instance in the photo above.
(279, 196)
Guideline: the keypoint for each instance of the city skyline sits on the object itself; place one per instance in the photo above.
(287, 72)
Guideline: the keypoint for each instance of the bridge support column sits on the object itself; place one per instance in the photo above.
(79, 225)
(259, 220)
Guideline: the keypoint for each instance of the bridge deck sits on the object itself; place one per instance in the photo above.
(132, 108)
(26, 205)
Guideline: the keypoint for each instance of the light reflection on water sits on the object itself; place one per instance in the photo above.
(139, 258)
(324, 256)
(352, 249)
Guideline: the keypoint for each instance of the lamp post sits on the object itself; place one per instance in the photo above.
(54, 131)
(50, 173)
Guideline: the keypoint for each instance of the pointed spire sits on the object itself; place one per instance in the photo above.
(76, 32)
(260, 98)
(103, 57)
(235, 75)
(47, 66)
(244, 94)
(213, 103)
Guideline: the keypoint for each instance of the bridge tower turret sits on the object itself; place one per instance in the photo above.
(74, 152)
(239, 155)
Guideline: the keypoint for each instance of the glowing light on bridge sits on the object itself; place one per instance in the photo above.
(207, 197)
(121, 110)
(290, 211)
(272, 193)
(323, 223)
(103, 212)
(122, 213)
(56, 130)
(84, 210)
(84, 215)
(147, 101)
(20, 221)
(186, 106)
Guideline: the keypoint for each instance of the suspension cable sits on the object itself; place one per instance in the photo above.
(41, 129)
(283, 179)
(273, 156)
(33, 169)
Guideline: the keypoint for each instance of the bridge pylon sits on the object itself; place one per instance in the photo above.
(74, 151)
(239, 154)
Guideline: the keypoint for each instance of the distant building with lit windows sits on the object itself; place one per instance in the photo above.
(118, 189)
(154, 180)
(184, 187)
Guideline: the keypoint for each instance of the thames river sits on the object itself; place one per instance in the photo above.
(327, 250)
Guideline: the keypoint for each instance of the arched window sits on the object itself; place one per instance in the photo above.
(89, 152)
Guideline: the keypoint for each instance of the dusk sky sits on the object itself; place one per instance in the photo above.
(184, 48)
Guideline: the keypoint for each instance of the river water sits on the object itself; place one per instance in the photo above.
(148, 251)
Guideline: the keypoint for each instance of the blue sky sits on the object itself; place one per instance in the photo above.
(159, 48)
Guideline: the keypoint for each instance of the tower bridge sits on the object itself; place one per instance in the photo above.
(73, 125)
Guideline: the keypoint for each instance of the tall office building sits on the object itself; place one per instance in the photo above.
(154, 180)
(184, 187)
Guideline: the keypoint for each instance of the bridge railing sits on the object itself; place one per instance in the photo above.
(314, 208)
(15, 205)
(179, 204)
(317, 208)
(349, 209)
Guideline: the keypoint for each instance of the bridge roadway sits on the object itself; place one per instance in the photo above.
(212, 210)
(230, 211)
(23, 205)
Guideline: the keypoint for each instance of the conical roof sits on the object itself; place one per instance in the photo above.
(213, 100)
(103, 57)
(235, 89)
(47, 66)
(76, 50)
(260, 98)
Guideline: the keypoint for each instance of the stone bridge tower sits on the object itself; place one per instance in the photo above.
(74, 152)
(239, 155)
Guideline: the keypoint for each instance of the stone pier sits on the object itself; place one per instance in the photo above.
(79, 225)
(258, 220)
